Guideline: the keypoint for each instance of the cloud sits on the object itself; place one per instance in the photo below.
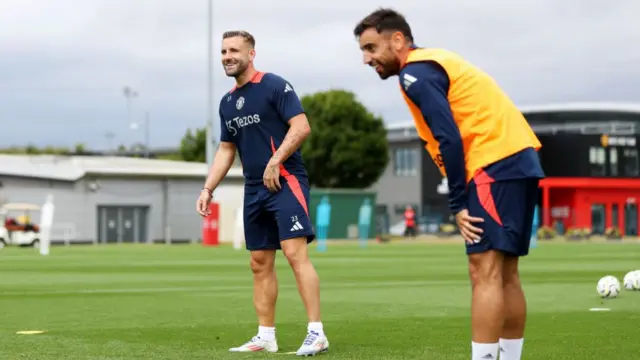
(64, 63)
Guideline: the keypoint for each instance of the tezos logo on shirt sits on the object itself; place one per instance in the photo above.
(239, 122)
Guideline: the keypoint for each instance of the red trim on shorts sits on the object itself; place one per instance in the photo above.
(293, 183)
(483, 185)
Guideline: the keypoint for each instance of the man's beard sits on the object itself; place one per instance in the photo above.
(240, 69)
(389, 71)
(384, 75)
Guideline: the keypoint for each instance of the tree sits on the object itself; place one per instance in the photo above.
(193, 147)
(348, 145)
(80, 149)
(32, 149)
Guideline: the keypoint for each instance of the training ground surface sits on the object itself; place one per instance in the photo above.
(393, 301)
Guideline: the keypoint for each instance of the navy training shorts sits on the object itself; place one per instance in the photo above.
(270, 218)
(508, 208)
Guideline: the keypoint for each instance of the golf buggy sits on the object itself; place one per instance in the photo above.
(18, 230)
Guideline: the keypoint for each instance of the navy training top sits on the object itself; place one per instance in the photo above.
(255, 117)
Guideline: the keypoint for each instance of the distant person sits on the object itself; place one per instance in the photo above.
(410, 222)
(263, 119)
(559, 226)
(484, 146)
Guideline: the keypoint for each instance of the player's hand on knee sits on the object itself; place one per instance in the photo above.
(202, 205)
(271, 177)
(469, 232)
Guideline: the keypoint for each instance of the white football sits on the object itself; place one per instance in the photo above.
(631, 281)
(608, 287)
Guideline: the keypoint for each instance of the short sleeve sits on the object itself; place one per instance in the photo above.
(224, 129)
(285, 99)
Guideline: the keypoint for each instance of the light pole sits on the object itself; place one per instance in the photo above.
(109, 136)
(129, 95)
(135, 126)
(210, 142)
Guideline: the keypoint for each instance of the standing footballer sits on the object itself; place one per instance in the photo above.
(263, 119)
(482, 143)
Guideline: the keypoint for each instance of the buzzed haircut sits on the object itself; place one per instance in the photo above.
(384, 19)
(240, 33)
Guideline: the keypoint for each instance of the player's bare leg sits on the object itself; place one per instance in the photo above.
(265, 286)
(307, 279)
(511, 338)
(265, 294)
(487, 306)
(296, 252)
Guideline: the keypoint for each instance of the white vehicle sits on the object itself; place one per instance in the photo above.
(19, 229)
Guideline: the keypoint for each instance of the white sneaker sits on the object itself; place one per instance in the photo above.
(257, 344)
(313, 344)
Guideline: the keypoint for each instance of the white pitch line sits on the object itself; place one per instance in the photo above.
(361, 285)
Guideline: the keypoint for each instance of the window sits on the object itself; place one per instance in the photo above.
(613, 162)
(630, 162)
(597, 219)
(597, 161)
(398, 164)
(614, 215)
(631, 219)
(406, 161)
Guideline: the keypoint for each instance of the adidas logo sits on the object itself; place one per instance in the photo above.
(408, 80)
(297, 226)
(288, 88)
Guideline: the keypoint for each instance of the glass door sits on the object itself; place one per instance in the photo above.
(631, 219)
(597, 219)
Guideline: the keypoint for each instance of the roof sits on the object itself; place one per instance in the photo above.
(20, 207)
(619, 107)
(72, 168)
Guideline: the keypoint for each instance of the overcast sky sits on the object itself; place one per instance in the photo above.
(63, 63)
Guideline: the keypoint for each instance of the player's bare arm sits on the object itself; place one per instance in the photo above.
(299, 129)
(221, 164)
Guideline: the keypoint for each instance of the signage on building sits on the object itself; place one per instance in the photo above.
(607, 140)
(560, 212)
(443, 187)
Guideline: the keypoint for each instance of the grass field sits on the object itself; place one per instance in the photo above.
(391, 301)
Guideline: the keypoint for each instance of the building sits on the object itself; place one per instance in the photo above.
(589, 154)
(118, 199)
(590, 157)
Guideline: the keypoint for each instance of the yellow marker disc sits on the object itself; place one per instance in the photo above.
(30, 332)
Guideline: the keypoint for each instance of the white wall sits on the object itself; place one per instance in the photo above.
(230, 197)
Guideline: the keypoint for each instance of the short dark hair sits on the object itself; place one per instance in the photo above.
(241, 33)
(384, 19)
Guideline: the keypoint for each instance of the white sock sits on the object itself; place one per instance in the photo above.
(267, 333)
(316, 327)
(511, 349)
(484, 351)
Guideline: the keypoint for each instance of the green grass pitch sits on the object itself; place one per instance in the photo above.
(390, 301)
